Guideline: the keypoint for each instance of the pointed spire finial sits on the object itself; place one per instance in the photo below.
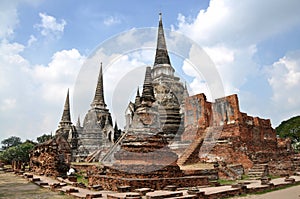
(78, 121)
(66, 116)
(99, 94)
(162, 56)
(137, 101)
(116, 126)
(148, 93)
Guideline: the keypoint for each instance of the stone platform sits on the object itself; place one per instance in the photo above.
(113, 183)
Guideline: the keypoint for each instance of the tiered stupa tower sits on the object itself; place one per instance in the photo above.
(97, 131)
(66, 129)
(169, 91)
(144, 158)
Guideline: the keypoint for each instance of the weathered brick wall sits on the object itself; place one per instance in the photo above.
(112, 183)
(240, 139)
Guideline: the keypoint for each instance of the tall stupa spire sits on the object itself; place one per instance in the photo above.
(66, 116)
(148, 93)
(99, 94)
(161, 56)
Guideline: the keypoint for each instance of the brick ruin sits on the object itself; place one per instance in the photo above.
(222, 133)
(51, 158)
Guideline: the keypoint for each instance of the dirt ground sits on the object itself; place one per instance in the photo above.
(288, 193)
(13, 187)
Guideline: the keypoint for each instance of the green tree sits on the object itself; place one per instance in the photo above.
(10, 142)
(290, 129)
(43, 138)
(19, 152)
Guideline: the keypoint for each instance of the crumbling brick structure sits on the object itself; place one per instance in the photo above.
(51, 158)
(221, 132)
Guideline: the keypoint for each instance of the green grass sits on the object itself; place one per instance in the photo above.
(226, 182)
(245, 177)
(82, 179)
(273, 177)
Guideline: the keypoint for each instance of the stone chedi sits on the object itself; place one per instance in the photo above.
(144, 142)
(168, 91)
(144, 158)
(97, 132)
(66, 128)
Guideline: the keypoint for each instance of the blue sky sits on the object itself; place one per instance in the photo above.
(255, 47)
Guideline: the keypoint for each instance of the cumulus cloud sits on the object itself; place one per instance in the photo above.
(33, 95)
(50, 27)
(59, 74)
(229, 32)
(240, 23)
(111, 20)
(31, 40)
(284, 78)
(8, 18)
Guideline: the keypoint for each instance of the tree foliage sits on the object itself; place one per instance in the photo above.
(43, 138)
(19, 152)
(10, 142)
(290, 129)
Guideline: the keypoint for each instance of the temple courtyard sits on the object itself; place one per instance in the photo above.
(28, 185)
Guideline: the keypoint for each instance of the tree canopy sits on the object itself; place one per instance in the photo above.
(43, 138)
(290, 129)
(19, 152)
(10, 142)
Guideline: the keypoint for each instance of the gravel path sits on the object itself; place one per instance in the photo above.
(15, 187)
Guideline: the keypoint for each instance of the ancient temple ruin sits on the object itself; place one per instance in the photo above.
(54, 156)
(165, 130)
(144, 158)
(219, 132)
(96, 134)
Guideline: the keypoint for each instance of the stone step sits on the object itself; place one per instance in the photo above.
(132, 195)
(163, 194)
(93, 196)
(255, 172)
(185, 197)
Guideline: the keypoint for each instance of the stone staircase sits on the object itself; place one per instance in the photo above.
(191, 152)
(231, 173)
(201, 146)
(258, 171)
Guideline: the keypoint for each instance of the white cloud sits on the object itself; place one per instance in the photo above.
(284, 78)
(8, 18)
(7, 104)
(230, 31)
(240, 23)
(111, 20)
(33, 95)
(50, 27)
(58, 75)
(31, 40)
